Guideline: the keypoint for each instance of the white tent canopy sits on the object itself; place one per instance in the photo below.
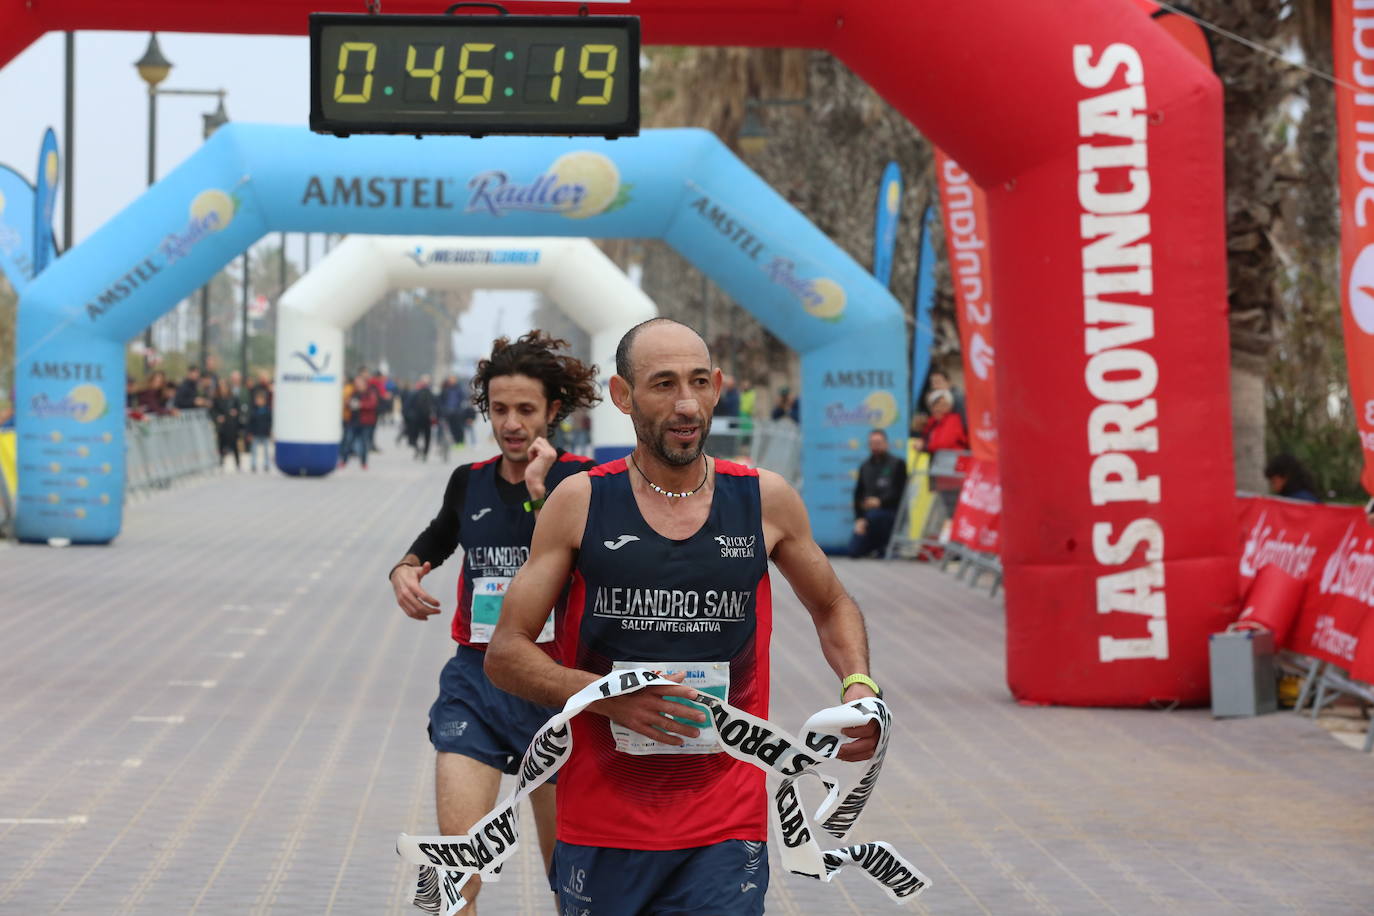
(316, 311)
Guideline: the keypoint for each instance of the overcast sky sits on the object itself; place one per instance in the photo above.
(266, 79)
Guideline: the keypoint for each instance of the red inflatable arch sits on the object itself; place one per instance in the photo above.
(1099, 140)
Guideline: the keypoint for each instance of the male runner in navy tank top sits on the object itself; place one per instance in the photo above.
(668, 550)
(489, 508)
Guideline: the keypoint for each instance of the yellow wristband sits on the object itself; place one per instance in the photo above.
(860, 679)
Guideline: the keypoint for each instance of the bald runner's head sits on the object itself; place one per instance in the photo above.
(669, 388)
(662, 332)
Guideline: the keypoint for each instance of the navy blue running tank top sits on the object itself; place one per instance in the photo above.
(495, 536)
(700, 606)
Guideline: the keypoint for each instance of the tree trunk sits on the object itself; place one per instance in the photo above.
(1255, 88)
(1247, 421)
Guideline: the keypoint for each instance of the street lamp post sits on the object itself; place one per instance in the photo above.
(243, 323)
(211, 123)
(154, 67)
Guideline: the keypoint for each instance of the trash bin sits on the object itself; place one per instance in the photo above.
(1243, 679)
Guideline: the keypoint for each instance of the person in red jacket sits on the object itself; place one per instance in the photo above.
(360, 421)
(945, 439)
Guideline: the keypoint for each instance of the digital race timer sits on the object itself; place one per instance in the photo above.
(558, 75)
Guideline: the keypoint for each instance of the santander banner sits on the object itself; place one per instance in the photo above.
(1353, 44)
(978, 516)
(1331, 548)
(966, 234)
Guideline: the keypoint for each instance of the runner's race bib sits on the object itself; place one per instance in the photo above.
(707, 677)
(449, 862)
(487, 594)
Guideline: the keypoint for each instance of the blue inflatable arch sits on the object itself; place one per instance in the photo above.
(683, 186)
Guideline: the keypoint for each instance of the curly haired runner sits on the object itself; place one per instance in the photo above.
(479, 731)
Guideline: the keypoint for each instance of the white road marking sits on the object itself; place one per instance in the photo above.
(205, 684)
(128, 763)
(71, 819)
(229, 654)
(166, 720)
(246, 631)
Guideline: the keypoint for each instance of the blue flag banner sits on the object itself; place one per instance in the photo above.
(16, 228)
(45, 202)
(923, 334)
(885, 228)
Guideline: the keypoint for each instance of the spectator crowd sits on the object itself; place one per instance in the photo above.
(240, 411)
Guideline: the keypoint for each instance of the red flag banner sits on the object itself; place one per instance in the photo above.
(978, 515)
(1332, 549)
(966, 236)
(1353, 44)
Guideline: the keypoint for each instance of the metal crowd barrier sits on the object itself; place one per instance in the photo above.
(924, 517)
(159, 451)
(777, 446)
(771, 444)
(730, 437)
(921, 531)
(1330, 682)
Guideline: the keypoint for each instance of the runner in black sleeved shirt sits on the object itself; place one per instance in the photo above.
(489, 508)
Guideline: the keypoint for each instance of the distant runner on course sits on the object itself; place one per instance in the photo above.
(668, 551)
(489, 508)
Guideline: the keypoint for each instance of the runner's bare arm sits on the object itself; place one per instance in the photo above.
(514, 661)
(838, 621)
(410, 595)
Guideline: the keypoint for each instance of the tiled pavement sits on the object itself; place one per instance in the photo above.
(223, 713)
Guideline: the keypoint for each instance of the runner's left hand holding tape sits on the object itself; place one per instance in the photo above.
(449, 862)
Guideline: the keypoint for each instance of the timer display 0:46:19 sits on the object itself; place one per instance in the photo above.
(354, 81)
(413, 74)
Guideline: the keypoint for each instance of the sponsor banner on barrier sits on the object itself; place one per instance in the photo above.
(978, 516)
(1331, 548)
(447, 863)
(1353, 56)
(970, 264)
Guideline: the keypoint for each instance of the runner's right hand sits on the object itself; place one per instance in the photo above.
(414, 600)
(646, 712)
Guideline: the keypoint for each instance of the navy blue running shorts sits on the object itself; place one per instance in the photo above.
(477, 719)
(723, 879)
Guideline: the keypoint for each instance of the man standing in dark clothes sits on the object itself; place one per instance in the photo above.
(188, 391)
(479, 731)
(877, 493)
(421, 416)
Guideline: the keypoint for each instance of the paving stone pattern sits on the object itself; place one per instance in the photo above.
(224, 713)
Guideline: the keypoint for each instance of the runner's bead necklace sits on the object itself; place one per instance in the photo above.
(669, 493)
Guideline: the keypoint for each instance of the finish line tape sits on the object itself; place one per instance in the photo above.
(449, 862)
